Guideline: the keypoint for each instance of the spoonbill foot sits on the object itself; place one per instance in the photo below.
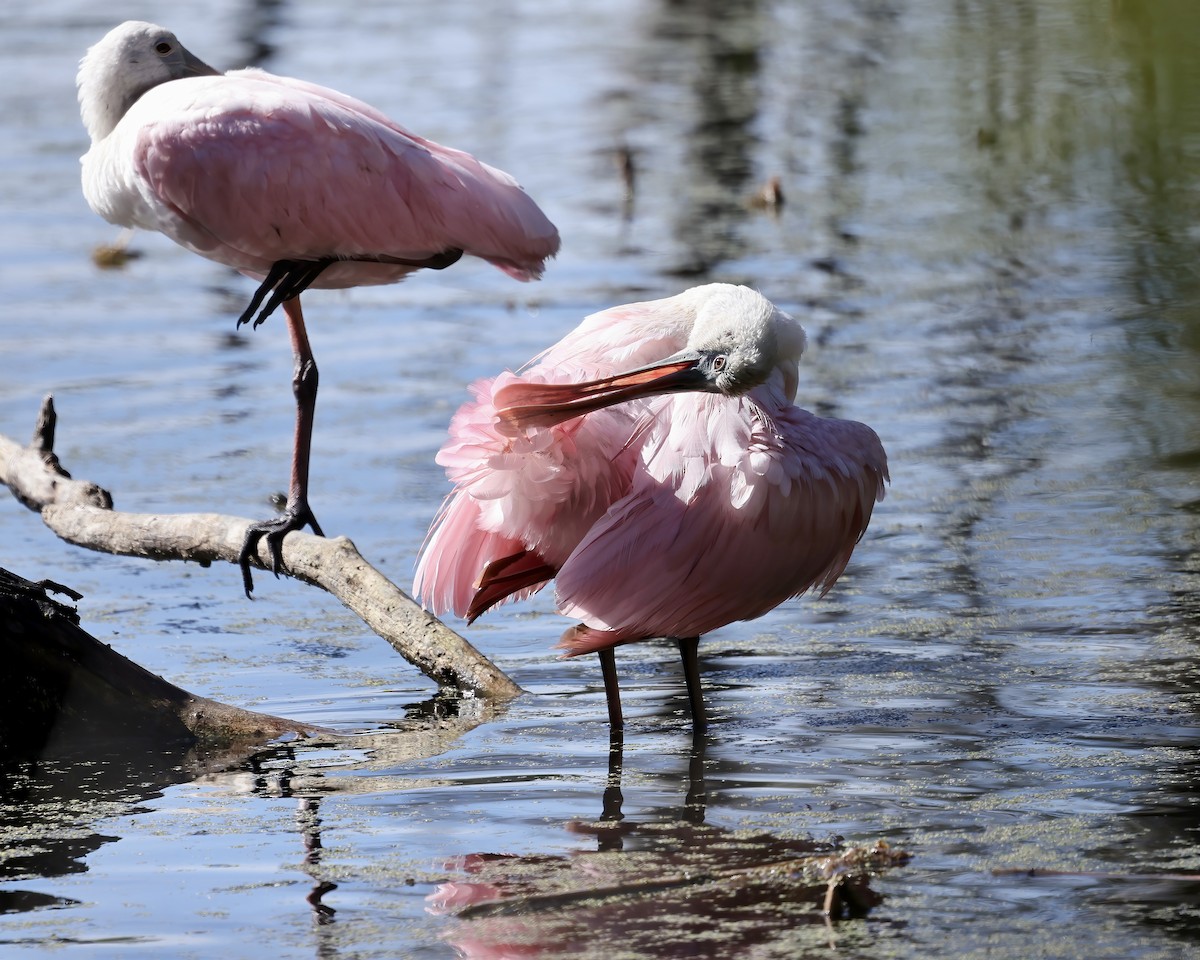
(286, 280)
(294, 517)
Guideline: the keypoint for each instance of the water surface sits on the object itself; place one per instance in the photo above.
(989, 232)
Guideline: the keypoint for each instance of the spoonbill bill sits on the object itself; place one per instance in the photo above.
(293, 184)
(654, 464)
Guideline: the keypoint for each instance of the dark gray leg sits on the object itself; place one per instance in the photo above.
(612, 692)
(691, 673)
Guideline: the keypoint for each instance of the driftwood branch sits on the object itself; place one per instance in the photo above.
(81, 513)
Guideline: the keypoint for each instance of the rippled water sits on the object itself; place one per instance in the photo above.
(990, 235)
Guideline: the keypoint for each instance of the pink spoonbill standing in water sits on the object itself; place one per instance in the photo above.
(293, 184)
(654, 464)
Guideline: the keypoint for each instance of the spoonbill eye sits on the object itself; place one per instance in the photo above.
(162, 48)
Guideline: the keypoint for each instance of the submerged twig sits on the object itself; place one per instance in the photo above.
(830, 868)
(1036, 873)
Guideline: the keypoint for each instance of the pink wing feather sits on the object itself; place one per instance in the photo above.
(535, 490)
(261, 168)
(724, 520)
(538, 489)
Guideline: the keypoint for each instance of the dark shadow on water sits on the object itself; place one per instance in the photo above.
(261, 17)
(713, 51)
(52, 808)
(55, 802)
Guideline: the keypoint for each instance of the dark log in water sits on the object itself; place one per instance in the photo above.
(63, 686)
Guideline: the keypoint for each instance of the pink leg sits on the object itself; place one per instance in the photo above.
(296, 514)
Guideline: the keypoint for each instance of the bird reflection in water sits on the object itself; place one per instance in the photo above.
(272, 774)
(671, 887)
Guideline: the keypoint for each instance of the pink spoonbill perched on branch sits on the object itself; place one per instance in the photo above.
(293, 184)
(654, 464)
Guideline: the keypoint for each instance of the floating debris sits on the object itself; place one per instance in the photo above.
(113, 256)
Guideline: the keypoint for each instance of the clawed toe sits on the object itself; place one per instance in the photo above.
(293, 518)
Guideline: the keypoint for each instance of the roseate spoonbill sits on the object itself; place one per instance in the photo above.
(654, 463)
(292, 184)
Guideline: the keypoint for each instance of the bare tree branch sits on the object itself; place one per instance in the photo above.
(81, 513)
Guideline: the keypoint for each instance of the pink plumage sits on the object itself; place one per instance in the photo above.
(659, 514)
(247, 168)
